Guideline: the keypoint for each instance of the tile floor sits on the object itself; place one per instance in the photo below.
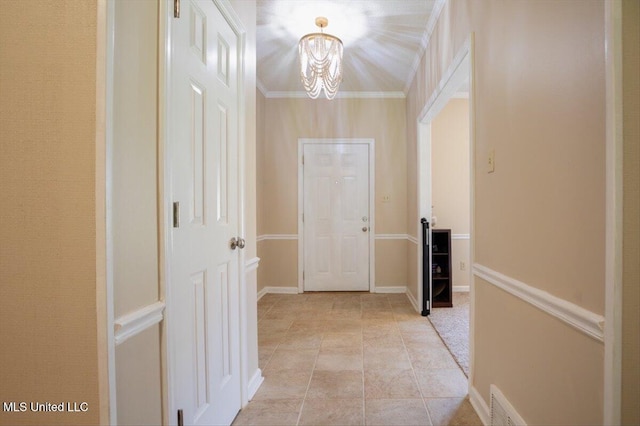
(353, 359)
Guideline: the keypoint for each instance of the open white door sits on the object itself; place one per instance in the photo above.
(336, 217)
(203, 316)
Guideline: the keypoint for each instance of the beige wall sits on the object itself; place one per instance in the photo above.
(539, 103)
(48, 227)
(631, 214)
(135, 201)
(287, 120)
(450, 181)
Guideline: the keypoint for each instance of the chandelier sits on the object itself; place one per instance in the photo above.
(320, 62)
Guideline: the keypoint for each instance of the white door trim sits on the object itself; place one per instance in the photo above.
(372, 173)
(461, 67)
(165, 189)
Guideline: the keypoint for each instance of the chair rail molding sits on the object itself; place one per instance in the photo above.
(127, 326)
(578, 317)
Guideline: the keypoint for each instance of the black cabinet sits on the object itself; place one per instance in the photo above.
(441, 282)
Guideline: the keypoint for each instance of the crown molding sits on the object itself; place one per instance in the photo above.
(339, 95)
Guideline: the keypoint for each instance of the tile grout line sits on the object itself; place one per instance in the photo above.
(415, 376)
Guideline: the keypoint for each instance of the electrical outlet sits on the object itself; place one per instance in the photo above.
(386, 198)
(463, 266)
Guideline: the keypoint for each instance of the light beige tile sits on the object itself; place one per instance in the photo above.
(335, 385)
(396, 412)
(377, 314)
(341, 358)
(344, 325)
(292, 359)
(378, 358)
(431, 358)
(284, 384)
(332, 412)
(390, 384)
(442, 383)
(342, 339)
(452, 411)
(302, 340)
(274, 412)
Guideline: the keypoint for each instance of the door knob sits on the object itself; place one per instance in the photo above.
(365, 229)
(237, 242)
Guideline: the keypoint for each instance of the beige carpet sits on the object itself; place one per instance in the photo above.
(452, 324)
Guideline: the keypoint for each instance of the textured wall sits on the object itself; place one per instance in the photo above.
(540, 217)
(287, 120)
(631, 213)
(48, 226)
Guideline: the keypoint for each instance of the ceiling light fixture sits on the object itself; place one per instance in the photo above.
(320, 62)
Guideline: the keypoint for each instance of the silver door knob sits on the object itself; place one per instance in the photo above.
(237, 242)
(365, 229)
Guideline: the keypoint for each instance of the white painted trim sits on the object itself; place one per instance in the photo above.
(251, 264)
(448, 84)
(279, 290)
(265, 237)
(460, 95)
(479, 404)
(261, 293)
(413, 239)
(339, 95)
(164, 193)
(460, 236)
(460, 289)
(399, 289)
(254, 383)
(578, 317)
(414, 302)
(391, 236)
(613, 213)
(371, 143)
(127, 326)
(426, 38)
(261, 88)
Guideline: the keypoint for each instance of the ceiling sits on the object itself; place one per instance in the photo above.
(383, 42)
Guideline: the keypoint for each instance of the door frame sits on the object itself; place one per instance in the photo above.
(372, 173)
(460, 68)
(165, 190)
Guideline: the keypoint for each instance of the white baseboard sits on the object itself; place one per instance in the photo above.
(254, 383)
(413, 301)
(461, 288)
(277, 290)
(391, 289)
(480, 406)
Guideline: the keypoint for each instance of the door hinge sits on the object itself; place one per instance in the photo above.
(180, 418)
(176, 8)
(302, 275)
(303, 160)
(176, 214)
(302, 217)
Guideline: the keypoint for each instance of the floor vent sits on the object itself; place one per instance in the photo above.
(502, 412)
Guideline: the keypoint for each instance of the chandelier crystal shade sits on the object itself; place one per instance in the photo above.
(320, 62)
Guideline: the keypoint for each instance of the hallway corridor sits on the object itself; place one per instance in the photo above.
(350, 359)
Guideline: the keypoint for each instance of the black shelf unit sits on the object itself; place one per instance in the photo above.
(441, 282)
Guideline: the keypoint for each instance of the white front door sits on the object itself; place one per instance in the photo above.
(203, 287)
(336, 217)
